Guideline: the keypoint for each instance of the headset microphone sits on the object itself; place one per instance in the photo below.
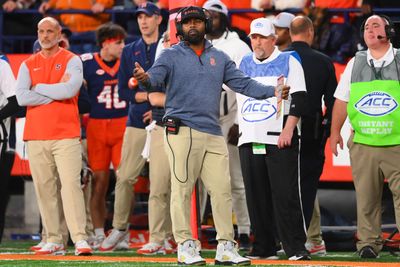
(380, 37)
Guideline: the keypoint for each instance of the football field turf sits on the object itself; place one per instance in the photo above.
(16, 253)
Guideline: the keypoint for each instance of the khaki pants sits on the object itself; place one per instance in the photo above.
(194, 154)
(314, 234)
(237, 185)
(129, 168)
(160, 225)
(370, 165)
(49, 161)
(86, 196)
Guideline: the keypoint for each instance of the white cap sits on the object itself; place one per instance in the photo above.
(283, 20)
(262, 26)
(216, 5)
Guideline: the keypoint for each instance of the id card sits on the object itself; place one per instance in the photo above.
(259, 149)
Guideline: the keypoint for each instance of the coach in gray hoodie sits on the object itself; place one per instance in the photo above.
(193, 72)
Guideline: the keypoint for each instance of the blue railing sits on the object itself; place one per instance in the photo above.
(116, 11)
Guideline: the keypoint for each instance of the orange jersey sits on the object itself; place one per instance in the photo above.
(59, 119)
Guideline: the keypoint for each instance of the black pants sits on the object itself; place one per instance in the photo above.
(6, 162)
(312, 159)
(272, 191)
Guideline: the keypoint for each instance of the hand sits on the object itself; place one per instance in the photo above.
(10, 6)
(44, 7)
(233, 135)
(147, 117)
(65, 78)
(285, 138)
(282, 91)
(139, 73)
(97, 8)
(336, 139)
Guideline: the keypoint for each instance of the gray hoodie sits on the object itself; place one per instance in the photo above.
(193, 84)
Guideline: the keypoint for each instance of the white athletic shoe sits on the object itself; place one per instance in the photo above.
(151, 249)
(189, 254)
(51, 249)
(112, 240)
(227, 254)
(170, 246)
(38, 246)
(316, 249)
(96, 242)
(124, 243)
(82, 248)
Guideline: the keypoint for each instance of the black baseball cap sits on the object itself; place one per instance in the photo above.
(192, 12)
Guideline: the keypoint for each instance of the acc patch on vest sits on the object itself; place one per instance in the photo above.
(376, 104)
(254, 110)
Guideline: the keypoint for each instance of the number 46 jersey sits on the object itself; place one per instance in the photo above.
(101, 80)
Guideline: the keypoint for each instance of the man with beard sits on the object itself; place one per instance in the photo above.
(193, 73)
(269, 147)
(282, 23)
(48, 84)
(229, 42)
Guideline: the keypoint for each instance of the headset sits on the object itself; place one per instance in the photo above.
(208, 21)
(390, 33)
(389, 29)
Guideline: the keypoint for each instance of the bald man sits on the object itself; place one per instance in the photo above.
(48, 84)
(319, 74)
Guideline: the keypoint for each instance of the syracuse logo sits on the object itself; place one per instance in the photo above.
(254, 110)
(376, 104)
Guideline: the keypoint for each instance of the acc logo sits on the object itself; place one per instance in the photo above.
(58, 66)
(376, 104)
(258, 25)
(257, 110)
(100, 72)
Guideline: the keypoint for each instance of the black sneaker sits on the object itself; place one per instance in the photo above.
(300, 256)
(368, 252)
(244, 242)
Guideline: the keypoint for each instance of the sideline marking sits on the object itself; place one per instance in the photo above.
(173, 260)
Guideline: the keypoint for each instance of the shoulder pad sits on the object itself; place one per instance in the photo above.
(86, 56)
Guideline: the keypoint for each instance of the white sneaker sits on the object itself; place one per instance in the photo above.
(316, 249)
(189, 254)
(51, 249)
(124, 243)
(151, 249)
(38, 246)
(96, 242)
(112, 240)
(82, 248)
(227, 254)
